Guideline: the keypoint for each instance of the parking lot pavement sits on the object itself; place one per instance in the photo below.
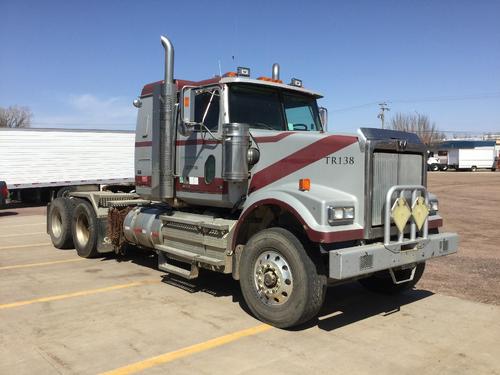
(61, 314)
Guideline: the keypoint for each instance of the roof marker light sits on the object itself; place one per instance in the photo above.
(296, 82)
(243, 72)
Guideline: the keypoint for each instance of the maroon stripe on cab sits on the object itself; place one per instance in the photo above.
(144, 144)
(198, 141)
(313, 235)
(300, 159)
(273, 138)
(217, 186)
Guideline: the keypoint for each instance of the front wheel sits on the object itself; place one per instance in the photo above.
(282, 285)
(381, 282)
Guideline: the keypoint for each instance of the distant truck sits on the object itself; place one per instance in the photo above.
(40, 164)
(434, 163)
(472, 159)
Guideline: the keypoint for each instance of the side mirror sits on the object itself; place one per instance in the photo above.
(187, 110)
(323, 115)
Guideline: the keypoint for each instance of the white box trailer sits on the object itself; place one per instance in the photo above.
(473, 159)
(38, 164)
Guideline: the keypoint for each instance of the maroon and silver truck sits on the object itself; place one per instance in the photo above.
(238, 175)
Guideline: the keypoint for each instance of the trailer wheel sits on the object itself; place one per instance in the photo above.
(84, 229)
(280, 282)
(473, 168)
(381, 282)
(444, 167)
(59, 222)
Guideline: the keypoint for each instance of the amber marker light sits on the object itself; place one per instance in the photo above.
(305, 184)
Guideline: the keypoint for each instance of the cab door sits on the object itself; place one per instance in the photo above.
(199, 154)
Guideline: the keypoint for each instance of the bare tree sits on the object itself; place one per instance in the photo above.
(419, 124)
(15, 117)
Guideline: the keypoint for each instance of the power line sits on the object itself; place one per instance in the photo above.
(423, 100)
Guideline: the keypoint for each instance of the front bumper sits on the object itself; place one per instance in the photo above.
(361, 260)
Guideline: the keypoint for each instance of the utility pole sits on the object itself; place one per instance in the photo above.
(381, 115)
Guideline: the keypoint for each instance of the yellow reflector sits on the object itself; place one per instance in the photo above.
(400, 213)
(420, 212)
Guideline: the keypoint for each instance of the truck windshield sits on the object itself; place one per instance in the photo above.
(273, 109)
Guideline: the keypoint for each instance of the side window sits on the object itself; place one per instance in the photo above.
(206, 109)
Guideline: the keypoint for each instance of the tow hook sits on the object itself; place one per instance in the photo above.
(412, 275)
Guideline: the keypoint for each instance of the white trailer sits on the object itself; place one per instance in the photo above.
(472, 159)
(38, 164)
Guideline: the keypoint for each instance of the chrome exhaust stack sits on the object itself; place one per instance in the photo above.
(167, 125)
(276, 71)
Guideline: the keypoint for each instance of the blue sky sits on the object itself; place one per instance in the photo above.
(81, 63)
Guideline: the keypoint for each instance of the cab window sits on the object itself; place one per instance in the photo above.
(207, 109)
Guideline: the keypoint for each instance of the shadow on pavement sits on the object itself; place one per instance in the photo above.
(7, 213)
(344, 304)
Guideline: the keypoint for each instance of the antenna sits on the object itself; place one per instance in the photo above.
(220, 69)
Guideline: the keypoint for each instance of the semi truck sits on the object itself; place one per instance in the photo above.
(238, 175)
(41, 164)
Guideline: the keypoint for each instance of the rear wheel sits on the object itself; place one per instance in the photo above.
(473, 168)
(84, 229)
(444, 167)
(64, 191)
(59, 222)
(280, 282)
(381, 282)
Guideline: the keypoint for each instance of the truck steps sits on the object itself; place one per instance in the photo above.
(185, 273)
(191, 259)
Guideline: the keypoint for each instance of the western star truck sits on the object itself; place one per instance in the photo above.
(40, 164)
(238, 175)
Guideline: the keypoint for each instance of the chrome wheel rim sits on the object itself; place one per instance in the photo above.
(56, 223)
(82, 229)
(273, 278)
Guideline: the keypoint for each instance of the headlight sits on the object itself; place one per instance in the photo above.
(340, 215)
(434, 207)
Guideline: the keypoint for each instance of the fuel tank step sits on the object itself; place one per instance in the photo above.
(191, 273)
(188, 256)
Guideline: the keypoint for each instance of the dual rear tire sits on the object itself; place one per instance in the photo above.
(73, 223)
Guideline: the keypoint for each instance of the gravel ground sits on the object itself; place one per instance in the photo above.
(470, 205)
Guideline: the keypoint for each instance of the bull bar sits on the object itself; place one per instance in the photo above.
(404, 252)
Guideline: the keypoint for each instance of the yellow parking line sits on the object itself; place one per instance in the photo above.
(40, 264)
(23, 246)
(81, 293)
(189, 350)
(21, 225)
(20, 234)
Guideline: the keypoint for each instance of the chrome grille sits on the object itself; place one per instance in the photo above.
(391, 169)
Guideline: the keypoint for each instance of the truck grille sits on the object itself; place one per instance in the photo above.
(391, 169)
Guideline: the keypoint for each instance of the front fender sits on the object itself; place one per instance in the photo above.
(310, 209)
